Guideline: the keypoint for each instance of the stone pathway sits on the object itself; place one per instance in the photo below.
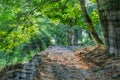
(28, 72)
(61, 63)
(55, 63)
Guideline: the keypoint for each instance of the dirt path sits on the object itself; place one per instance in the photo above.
(62, 63)
(55, 63)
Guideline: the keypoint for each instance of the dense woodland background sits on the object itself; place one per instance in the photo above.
(30, 26)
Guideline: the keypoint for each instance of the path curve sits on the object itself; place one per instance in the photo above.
(55, 63)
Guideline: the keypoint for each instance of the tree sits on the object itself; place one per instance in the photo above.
(90, 24)
(66, 12)
(103, 20)
(109, 12)
(17, 20)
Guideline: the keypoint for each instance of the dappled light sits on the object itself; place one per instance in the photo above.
(59, 40)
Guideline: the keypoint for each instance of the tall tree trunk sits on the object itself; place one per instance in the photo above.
(113, 16)
(69, 39)
(69, 36)
(111, 24)
(70, 32)
(104, 23)
(90, 24)
(75, 41)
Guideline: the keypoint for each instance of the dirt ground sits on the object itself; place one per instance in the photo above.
(62, 63)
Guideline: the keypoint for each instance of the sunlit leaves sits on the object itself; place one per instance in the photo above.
(92, 1)
(15, 27)
(95, 16)
(62, 10)
(28, 18)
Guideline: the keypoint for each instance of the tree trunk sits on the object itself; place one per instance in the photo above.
(103, 20)
(69, 39)
(75, 37)
(114, 35)
(69, 36)
(113, 16)
(112, 19)
(90, 24)
(70, 33)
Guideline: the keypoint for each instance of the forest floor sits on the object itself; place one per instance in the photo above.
(63, 63)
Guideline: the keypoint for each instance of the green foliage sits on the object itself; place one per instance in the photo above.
(92, 1)
(14, 27)
(29, 26)
(62, 11)
(17, 28)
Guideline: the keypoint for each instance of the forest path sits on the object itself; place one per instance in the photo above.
(62, 63)
(55, 63)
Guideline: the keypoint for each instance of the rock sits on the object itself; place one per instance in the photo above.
(62, 63)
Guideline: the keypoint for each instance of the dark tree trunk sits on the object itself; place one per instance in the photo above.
(112, 16)
(69, 36)
(75, 41)
(70, 33)
(90, 24)
(69, 39)
(103, 20)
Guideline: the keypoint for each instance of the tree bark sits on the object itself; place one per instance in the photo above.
(69, 38)
(75, 37)
(103, 20)
(90, 24)
(112, 19)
